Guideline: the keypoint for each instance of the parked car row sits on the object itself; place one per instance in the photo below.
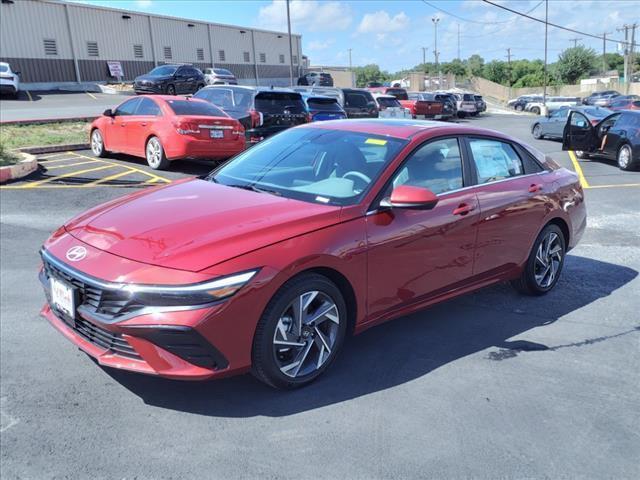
(608, 99)
(593, 131)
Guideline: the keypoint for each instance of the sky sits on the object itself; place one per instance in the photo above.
(392, 33)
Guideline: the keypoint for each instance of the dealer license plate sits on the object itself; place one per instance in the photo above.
(62, 297)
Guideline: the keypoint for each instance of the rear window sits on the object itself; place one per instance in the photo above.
(222, 71)
(277, 102)
(188, 107)
(355, 100)
(226, 98)
(324, 104)
(388, 102)
(399, 93)
(468, 98)
(325, 75)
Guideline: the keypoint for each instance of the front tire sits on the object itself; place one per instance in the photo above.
(581, 154)
(544, 265)
(156, 158)
(519, 108)
(171, 90)
(537, 131)
(625, 158)
(97, 143)
(300, 332)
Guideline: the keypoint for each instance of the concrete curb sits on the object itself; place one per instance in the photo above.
(43, 121)
(24, 167)
(55, 148)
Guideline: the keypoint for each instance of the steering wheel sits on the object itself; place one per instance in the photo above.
(359, 175)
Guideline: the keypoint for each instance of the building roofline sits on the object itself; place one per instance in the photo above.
(168, 17)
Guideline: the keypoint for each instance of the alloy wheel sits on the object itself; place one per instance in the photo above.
(97, 145)
(537, 131)
(548, 260)
(154, 152)
(306, 334)
(624, 157)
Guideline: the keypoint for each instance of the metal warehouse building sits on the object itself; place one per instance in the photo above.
(53, 41)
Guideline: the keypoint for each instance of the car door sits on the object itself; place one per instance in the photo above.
(612, 127)
(141, 124)
(180, 80)
(511, 191)
(417, 254)
(116, 134)
(579, 134)
(556, 123)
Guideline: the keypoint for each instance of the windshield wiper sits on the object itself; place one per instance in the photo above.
(253, 188)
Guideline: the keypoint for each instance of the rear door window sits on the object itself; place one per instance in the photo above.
(278, 102)
(148, 107)
(494, 160)
(188, 107)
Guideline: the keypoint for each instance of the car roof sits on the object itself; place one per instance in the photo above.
(403, 128)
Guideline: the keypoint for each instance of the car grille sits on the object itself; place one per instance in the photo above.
(103, 338)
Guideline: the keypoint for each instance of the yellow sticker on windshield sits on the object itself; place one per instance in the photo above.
(375, 141)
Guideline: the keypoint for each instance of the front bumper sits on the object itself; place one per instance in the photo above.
(153, 88)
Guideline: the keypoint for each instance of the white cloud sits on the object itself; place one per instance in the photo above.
(319, 45)
(311, 15)
(381, 22)
(143, 3)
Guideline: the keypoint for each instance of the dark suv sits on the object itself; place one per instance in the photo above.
(316, 79)
(170, 80)
(261, 111)
(359, 103)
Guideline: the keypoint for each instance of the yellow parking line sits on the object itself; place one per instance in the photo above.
(578, 169)
(29, 95)
(51, 155)
(72, 164)
(156, 177)
(56, 160)
(109, 178)
(91, 95)
(616, 186)
(66, 175)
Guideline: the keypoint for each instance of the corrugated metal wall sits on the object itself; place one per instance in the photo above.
(26, 24)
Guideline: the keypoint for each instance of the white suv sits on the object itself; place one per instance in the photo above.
(9, 80)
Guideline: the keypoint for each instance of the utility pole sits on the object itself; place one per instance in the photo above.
(575, 41)
(604, 52)
(628, 53)
(424, 58)
(435, 21)
(351, 68)
(509, 63)
(459, 42)
(546, 28)
(290, 46)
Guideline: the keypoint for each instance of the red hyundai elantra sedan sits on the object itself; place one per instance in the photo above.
(162, 128)
(321, 231)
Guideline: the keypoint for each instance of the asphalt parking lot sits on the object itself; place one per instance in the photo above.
(491, 385)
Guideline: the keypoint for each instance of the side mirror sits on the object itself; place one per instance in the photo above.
(408, 196)
(17, 73)
(108, 113)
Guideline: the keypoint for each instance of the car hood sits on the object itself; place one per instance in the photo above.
(194, 224)
(153, 78)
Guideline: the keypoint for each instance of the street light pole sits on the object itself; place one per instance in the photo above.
(435, 21)
(351, 68)
(290, 46)
(546, 28)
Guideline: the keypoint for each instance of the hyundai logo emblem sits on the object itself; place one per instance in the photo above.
(77, 253)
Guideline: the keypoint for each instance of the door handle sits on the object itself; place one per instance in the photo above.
(144, 124)
(463, 209)
(123, 124)
(535, 187)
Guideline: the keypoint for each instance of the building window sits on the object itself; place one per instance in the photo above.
(221, 56)
(247, 57)
(200, 54)
(281, 58)
(295, 59)
(167, 53)
(137, 51)
(263, 58)
(50, 47)
(92, 49)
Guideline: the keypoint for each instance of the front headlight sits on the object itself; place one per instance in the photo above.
(193, 294)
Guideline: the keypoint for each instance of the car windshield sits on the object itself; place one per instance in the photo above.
(318, 165)
(162, 71)
(221, 71)
(278, 102)
(187, 107)
(597, 112)
(226, 98)
(324, 104)
(388, 102)
(4, 68)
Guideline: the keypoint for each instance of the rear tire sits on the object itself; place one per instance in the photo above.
(155, 155)
(171, 90)
(544, 265)
(535, 110)
(519, 108)
(625, 158)
(537, 132)
(581, 154)
(281, 340)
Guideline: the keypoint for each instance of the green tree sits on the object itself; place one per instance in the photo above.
(474, 65)
(575, 63)
(456, 67)
(613, 61)
(370, 73)
(496, 71)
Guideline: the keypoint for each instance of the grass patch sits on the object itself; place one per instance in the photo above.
(20, 136)
(7, 157)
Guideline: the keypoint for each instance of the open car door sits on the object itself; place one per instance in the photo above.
(579, 134)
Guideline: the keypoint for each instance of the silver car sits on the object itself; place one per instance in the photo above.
(552, 126)
(219, 76)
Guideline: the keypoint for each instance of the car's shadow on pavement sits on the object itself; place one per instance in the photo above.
(402, 350)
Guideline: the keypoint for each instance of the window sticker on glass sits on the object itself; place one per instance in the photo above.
(375, 141)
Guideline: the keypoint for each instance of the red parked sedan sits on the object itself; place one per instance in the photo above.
(321, 231)
(162, 128)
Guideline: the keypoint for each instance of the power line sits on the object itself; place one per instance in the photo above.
(475, 21)
(554, 24)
